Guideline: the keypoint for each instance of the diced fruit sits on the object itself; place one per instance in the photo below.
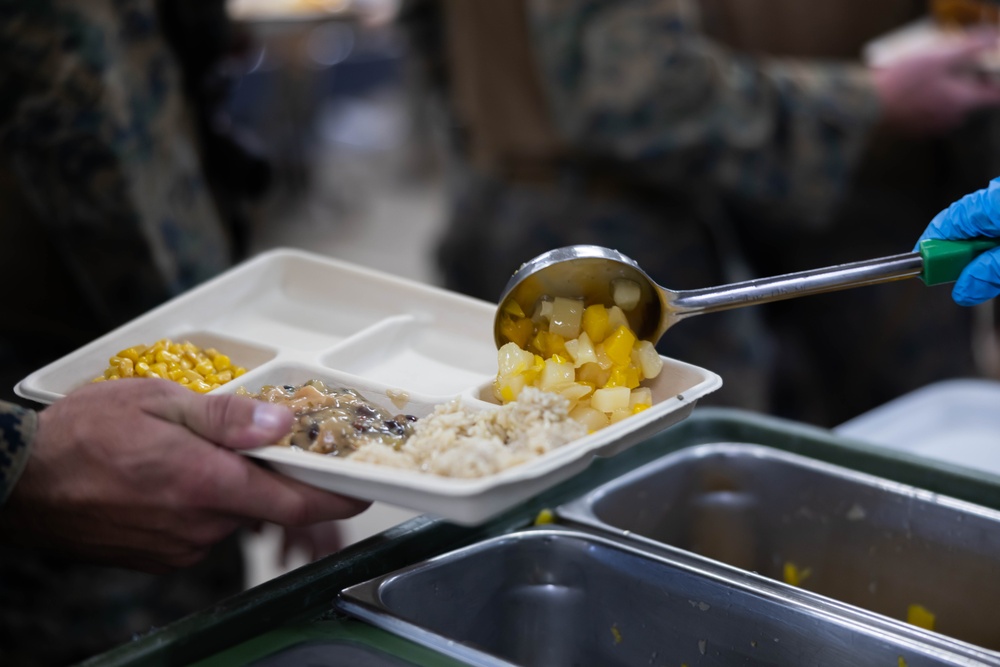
(566, 317)
(625, 293)
(586, 353)
(595, 322)
(590, 417)
(920, 616)
(581, 350)
(646, 358)
(616, 318)
(620, 414)
(609, 399)
(593, 374)
(640, 396)
(517, 329)
(513, 308)
(556, 373)
(619, 344)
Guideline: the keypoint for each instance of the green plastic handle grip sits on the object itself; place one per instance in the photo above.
(945, 260)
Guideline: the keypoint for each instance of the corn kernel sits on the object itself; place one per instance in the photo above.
(201, 386)
(184, 363)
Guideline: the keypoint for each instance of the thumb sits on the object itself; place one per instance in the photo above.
(237, 422)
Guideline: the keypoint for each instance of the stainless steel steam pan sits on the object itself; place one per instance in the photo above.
(555, 596)
(859, 539)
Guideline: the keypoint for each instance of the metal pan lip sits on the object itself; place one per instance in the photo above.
(364, 600)
(580, 509)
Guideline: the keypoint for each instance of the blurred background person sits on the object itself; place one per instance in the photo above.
(120, 187)
(712, 142)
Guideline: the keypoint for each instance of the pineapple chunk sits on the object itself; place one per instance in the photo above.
(566, 317)
(609, 399)
(640, 396)
(620, 414)
(586, 353)
(581, 350)
(590, 417)
(556, 373)
(645, 357)
(513, 360)
(617, 318)
(625, 293)
(593, 374)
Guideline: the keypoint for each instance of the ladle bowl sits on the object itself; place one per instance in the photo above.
(587, 272)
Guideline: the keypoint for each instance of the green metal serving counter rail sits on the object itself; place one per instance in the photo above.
(295, 611)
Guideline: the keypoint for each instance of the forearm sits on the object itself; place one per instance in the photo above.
(638, 82)
(17, 431)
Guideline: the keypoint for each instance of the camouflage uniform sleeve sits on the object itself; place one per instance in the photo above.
(96, 132)
(638, 82)
(17, 430)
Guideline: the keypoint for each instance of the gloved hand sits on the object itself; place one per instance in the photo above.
(976, 215)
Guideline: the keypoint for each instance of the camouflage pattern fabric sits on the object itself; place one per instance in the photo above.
(96, 139)
(17, 428)
(707, 167)
(104, 213)
(639, 83)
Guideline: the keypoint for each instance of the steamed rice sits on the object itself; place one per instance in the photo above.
(456, 442)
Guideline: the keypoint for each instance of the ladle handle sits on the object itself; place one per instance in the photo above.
(937, 261)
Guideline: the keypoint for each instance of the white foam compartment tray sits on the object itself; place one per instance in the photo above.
(289, 316)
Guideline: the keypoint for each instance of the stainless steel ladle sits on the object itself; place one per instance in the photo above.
(587, 272)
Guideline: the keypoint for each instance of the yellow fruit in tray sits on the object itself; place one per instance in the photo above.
(919, 616)
(587, 353)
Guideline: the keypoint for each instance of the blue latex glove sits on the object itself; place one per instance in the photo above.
(976, 215)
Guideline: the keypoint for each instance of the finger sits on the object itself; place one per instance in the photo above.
(243, 488)
(973, 216)
(965, 50)
(237, 422)
(980, 281)
(228, 482)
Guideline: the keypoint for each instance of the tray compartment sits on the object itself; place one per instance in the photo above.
(417, 353)
(310, 304)
(858, 539)
(79, 370)
(557, 597)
